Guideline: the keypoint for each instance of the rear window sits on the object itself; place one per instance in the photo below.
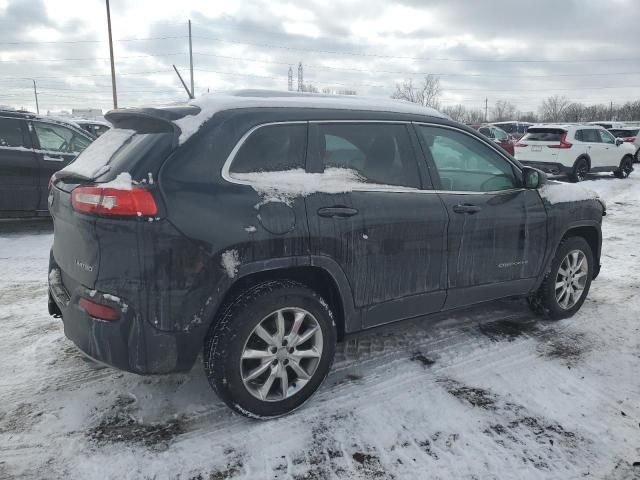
(628, 132)
(116, 150)
(507, 127)
(543, 134)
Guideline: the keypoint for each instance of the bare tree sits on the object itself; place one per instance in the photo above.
(503, 110)
(553, 108)
(475, 116)
(527, 117)
(310, 88)
(427, 93)
(574, 112)
(456, 112)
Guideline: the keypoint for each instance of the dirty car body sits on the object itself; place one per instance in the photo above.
(377, 251)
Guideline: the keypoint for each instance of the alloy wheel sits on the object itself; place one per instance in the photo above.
(281, 354)
(571, 279)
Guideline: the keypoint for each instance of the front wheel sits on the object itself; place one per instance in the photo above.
(271, 349)
(625, 169)
(565, 288)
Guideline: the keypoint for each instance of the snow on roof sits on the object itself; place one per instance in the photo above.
(214, 103)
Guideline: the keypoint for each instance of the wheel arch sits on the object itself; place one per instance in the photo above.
(593, 237)
(320, 274)
(586, 157)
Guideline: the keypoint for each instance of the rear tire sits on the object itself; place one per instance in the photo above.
(566, 286)
(256, 357)
(580, 170)
(625, 169)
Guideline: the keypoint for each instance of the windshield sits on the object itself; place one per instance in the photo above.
(543, 135)
(623, 133)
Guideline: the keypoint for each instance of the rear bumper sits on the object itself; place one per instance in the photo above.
(131, 343)
(548, 167)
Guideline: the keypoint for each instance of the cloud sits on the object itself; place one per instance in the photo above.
(499, 49)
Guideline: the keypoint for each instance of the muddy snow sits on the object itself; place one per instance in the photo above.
(489, 392)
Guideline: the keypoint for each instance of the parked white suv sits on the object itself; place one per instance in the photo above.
(575, 150)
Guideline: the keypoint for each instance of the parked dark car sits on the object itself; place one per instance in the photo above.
(498, 135)
(259, 228)
(32, 148)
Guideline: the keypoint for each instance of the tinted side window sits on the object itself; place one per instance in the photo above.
(272, 148)
(500, 134)
(579, 136)
(11, 133)
(486, 132)
(464, 163)
(591, 135)
(380, 153)
(606, 137)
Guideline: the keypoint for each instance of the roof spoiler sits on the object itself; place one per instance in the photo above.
(150, 120)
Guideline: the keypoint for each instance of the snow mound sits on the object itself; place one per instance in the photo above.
(283, 186)
(213, 103)
(557, 192)
(122, 182)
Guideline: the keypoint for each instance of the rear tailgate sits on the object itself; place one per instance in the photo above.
(534, 146)
(75, 243)
(135, 147)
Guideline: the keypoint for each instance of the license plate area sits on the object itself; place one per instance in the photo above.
(536, 148)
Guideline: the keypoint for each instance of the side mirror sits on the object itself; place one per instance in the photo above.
(619, 142)
(533, 178)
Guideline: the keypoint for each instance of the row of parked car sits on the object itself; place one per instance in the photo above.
(32, 148)
(572, 149)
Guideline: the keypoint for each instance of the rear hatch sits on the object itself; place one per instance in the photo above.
(126, 160)
(541, 144)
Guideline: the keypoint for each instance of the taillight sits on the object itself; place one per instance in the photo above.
(563, 142)
(629, 139)
(98, 310)
(98, 200)
(521, 145)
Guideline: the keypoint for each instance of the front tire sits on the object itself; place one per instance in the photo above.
(565, 288)
(271, 349)
(580, 170)
(625, 169)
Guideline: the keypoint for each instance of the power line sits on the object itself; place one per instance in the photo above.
(22, 60)
(427, 59)
(67, 42)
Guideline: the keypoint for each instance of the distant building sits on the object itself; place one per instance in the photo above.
(87, 113)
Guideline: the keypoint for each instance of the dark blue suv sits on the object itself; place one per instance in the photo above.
(258, 228)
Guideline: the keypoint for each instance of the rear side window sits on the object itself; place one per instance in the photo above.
(11, 133)
(486, 132)
(379, 152)
(544, 135)
(272, 148)
(499, 134)
(590, 135)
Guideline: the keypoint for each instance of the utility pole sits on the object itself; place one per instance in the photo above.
(290, 79)
(193, 93)
(300, 78)
(486, 104)
(35, 93)
(611, 111)
(113, 68)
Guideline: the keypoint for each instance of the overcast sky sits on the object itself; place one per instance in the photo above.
(519, 51)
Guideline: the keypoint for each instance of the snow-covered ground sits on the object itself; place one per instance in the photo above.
(491, 392)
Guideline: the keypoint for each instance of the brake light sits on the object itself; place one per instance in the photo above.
(521, 145)
(629, 139)
(98, 200)
(563, 142)
(99, 311)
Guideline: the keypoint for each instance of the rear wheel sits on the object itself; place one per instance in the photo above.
(271, 349)
(565, 288)
(580, 170)
(625, 169)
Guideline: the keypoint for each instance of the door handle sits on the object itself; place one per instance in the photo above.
(466, 208)
(53, 159)
(338, 211)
